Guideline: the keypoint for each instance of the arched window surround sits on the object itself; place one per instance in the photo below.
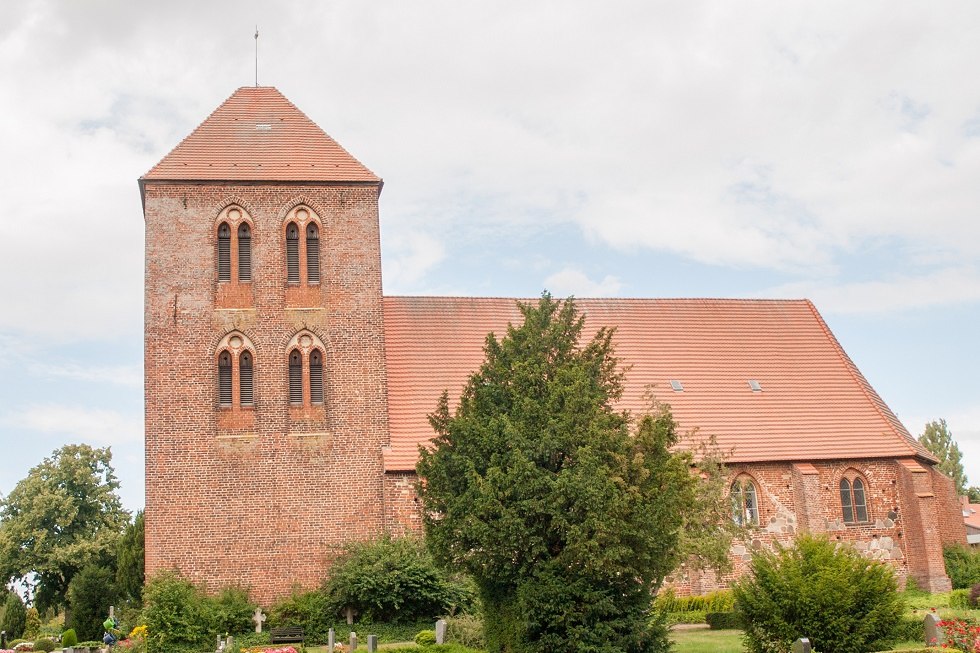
(305, 360)
(744, 496)
(302, 238)
(853, 488)
(234, 242)
(235, 363)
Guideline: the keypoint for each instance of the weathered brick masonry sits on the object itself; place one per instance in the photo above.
(248, 485)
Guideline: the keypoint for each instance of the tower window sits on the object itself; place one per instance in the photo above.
(245, 379)
(292, 253)
(745, 502)
(224, 379)
(224, 252)
(295, 377)
(244, 252)
(312, 253)
(316, 377)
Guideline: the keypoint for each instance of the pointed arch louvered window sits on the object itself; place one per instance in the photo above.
(245, 376)
(244, 252)
(295, 377)
(224, 252)
(316, 377)
(224, 379)
(312, 253)
(292, 253)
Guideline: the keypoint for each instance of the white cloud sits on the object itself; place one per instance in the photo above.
(411, 256)
(570, 281)
(127, 375)
(942, 287)
(99, 426)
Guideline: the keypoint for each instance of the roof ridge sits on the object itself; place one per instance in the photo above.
(877, 403)
(733, 300)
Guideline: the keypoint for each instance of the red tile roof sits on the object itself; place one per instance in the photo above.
(259, 135)
(814, 404)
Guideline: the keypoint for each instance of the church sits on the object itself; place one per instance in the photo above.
(286, 395)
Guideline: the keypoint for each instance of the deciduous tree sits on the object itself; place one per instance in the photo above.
(937, 439)
(63, 516)
(566, 512)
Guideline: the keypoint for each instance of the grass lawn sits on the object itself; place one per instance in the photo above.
(702, 640)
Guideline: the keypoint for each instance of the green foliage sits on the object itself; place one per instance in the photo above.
(90, 594)
(722, 620)
(14, 617)
(175, 615)
(841, 601)
(69, 638)
(566, 512)
(939, 441)
(45, 644)
(910, 629)
(465, 629)
(230, 611)
(393, 580)
(973, 493)
(425, 638)
(685, 617)
(959, 599)
(717, 601)
(32, 623)
(311, 610)
(130, 556)
(64, 515)
(962, 565)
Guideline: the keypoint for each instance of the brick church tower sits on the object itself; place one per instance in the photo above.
(264, 350)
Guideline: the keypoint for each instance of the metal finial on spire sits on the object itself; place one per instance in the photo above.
(256, 56)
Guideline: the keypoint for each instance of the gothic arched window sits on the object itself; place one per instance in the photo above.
(224, 379)
(224, 252)
(292, 253)
(245, 386)
(312, 253)
(295, 377)
(316, 377)
(745, 502)
(854, 505)
(244, 252)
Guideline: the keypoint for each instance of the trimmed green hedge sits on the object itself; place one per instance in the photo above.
(719, 601)
(723, 620)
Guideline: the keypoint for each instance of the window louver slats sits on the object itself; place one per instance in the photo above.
(312, 254)
(292, 254)
(244, 253)
(224, 380)
(295, 379)
(224, 253)
(245, 380)
(316, 378)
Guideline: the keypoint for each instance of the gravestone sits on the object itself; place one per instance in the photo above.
(372, 644)
(441, 631)
(258, 618)
(3, 639)
(934, 634)
(220, 646)
(353, 641)
(349, 613)
(331, 640)
(802, 645)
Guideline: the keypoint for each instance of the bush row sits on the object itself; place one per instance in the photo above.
(719, 601)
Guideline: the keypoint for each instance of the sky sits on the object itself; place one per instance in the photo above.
(621, 149)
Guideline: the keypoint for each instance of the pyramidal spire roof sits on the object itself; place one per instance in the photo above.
(259, 135)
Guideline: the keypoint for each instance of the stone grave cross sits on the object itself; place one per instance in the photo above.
(258, 618)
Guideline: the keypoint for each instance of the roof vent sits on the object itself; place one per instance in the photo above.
(676, 385)
(755, 385)
(264, 126)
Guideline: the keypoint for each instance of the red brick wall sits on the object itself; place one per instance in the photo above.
(264, 499)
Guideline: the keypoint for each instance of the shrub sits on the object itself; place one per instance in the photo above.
(841, 601)
(962, 565)
(959, 599)
(910, 629)
(69, 638)
(175, 616)
(32, 623)
(44, 644)
(14, 616)
(426, 638)
(393, 580)
(722, 620)
(718, 601)
(311, 610)
(90, 593)
(230, 611)
(689, 617)
(974, 599)
(466, 630)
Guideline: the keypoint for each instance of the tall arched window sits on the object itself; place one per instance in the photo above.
(292, 253)
(245, 385)
(244, 252)
(295, 377)
(745, 502)
(316, 377)
(224, 379)
(312, 253)
(854, 506)
(224, 252)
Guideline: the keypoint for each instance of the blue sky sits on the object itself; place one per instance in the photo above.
(697, 149)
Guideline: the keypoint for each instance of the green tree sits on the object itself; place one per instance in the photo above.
(14, 616)
(566, 512)
(827, 592)
(90, 593)
(973, 492)
(130, 562)
(938, 440)
(64, 515)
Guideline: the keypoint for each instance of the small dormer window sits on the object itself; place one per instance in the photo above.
(676, 385)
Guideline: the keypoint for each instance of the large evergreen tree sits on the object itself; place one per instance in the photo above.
(63, 516)
(938, 440)
(130, 562)
(566, 512)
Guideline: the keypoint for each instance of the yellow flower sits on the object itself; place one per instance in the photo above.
(138, 633)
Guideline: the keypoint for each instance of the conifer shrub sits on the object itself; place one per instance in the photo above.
(959, 599)
(90, 593)
(466, 630)
(44, 644)
(14, 616)
(829, 593)
(69, 638)
(722, 620)
(426, 638)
